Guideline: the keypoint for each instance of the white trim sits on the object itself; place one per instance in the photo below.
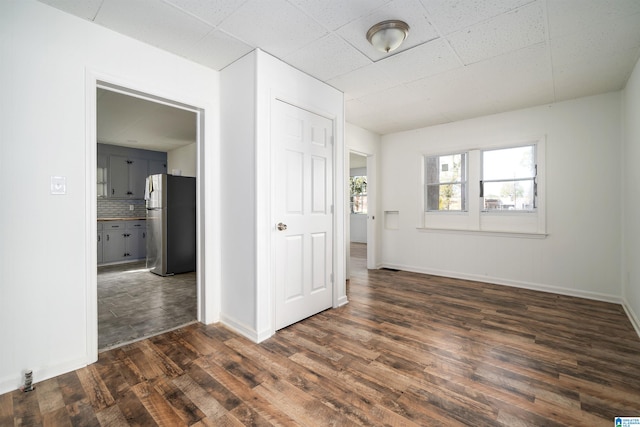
(596, 296)
(241, 328)
(633, 317)
(208, 148)
(13, 382)
(515, 234)
(91, 216)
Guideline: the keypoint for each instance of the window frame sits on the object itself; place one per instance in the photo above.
(364, 197)
(527, 223)
(464, 184)
(533, 178)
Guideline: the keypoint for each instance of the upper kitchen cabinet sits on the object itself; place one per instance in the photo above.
(102, 184)
(157, 166)
(122, 171)
(127, 177)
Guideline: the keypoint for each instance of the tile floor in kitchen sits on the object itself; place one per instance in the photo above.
(134, 303)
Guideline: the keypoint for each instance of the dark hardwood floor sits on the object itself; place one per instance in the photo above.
(408, 349)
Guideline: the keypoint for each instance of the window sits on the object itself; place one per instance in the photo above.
(509, 179)
(358, 188)
(490, 188)
(446, 182)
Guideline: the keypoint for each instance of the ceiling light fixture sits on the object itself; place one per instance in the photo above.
(388, 35)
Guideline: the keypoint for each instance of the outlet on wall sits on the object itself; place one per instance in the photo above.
(130, 207)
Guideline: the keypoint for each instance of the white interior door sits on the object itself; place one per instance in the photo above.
(302, 212)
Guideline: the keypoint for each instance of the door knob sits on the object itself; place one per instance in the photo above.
(281, 226)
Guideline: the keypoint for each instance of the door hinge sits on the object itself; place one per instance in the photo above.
(331, 209)
(331, 277)
(331, 140)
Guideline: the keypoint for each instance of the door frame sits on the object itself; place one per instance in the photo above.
(265, 295)
(207, 194)
(277, 214)
(371, 211)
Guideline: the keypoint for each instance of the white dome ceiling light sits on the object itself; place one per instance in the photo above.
(388, 35)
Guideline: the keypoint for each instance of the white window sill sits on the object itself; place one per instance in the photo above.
(513, 234)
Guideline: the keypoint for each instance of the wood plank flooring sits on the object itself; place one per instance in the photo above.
(408, 350)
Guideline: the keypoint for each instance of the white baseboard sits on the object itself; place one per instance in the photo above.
(513, 283)
(342, 301)
(14, 382)
(633, 317)
(241, 328)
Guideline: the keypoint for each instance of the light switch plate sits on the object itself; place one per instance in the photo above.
(58, 185)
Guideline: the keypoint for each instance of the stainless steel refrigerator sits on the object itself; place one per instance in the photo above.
(171, 224)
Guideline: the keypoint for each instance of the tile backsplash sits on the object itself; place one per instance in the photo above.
(109, 208)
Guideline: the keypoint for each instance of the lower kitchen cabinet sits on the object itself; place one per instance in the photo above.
(100, 239)
(136, 239)
(123, 241)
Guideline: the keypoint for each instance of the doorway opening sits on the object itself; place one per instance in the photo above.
(361, 222)
(139, 135)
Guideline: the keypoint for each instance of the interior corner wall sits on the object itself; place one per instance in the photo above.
(183, 159)
(581, 254)
(46, 55)
(238, 177)
(631, 199)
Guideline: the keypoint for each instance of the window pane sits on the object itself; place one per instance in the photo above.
(445, 169)
(446, 179)
(446, 197)
(509, 195)
(358, 190)
(509, 163)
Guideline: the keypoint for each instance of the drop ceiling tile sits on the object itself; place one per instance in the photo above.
(602, 41)
(491, 86)
(212, 12)
(362, 81)
(410, 11)
(505, 33)
(276, 26)
(327, 57)
(333, 14)
(570, 16)
(217, 50)
(390, 101)
(594, 75)
(449, 16)
(84, 9)
(153, 22)
(425, 60)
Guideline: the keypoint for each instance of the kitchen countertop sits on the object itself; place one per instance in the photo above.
(123, 219)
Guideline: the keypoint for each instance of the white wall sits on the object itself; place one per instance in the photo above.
(45, 254)
(631, 197)
(580, 256)
(238, 235)
(184, 159)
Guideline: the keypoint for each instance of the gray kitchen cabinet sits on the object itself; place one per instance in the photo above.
(127, 177)
(113, 242)
(136, 239)
(102, 175)
(100, 246)
(123, 241)
(157, 166)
